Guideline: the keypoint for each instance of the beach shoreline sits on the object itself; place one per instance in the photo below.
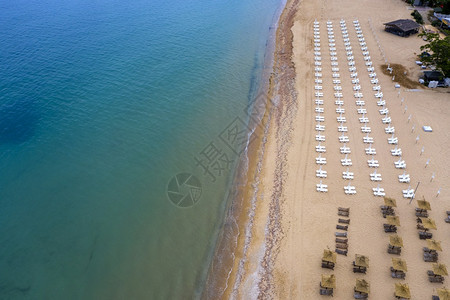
(284, 223)
(221, 280)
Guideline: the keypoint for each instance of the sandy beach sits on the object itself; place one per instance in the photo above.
(292, 222)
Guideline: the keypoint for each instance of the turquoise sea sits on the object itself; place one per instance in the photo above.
(101, 104)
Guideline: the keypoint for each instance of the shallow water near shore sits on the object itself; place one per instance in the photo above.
(102, 103)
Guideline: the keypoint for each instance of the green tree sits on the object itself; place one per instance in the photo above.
(439, 50)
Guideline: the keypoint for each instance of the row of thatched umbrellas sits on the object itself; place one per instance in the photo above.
(396, 242)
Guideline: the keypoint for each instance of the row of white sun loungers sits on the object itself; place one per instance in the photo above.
(320, 173)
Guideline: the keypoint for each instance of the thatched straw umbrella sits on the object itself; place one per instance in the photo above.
(444, 294)
(402, 291)
(399, 264)
(434, 245)
(328, 281)
(428, 223)
(423, 204)
(395, 240)
(440, 269)
(362, 286)
(391, 202)
(361, 261)
(329, 256)
(393, 220)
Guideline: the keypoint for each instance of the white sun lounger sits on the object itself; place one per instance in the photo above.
(362, 44)
(363, 120)
(375, 176)
(318, 87)
(384, 111)
(349, 58)
(333, 58)
(320, 148)
(321, 173)
(320, 138)
(362, 111)
(320, 127)
(317, 63)
(373, 163)
(318, 94)
(358, 95)
(348, 175)
(370, 150)
(317, 48)
(349, 190)
(334, 63)
(386, 120)
(348, 48)
(336, 81)
(356, 87)
(396, 152)
(341, 119)
(318, 74)
(333, 53)
(374, 80)
(360, 35)
(337, 88)
(376, 87)
(372, 75)
(354, 75)
(316, 44)
(404, 178)
(366, 129)
(331, 44)
(340, 110)
(367, 58)
(335, 69)
(408, 193)
(360, 102)
(342, 128)
(369, 64)
(367, 139)
(323, 188)
(370, 69)
(351, 63)
(321, 160)
(318, 69)
(320, 118)
(317, 80)
(365, 53)
(390, 129)
(379, 95)
(345, 150)
(393, 140)
(400, 164)
(363, 48)
(339, 102)
(346, 162)
(378, 191)
(381, 102)
(352, 69)
(319, 109)
(338, 95)
(318, 102)
(343, 139)
(355, 80)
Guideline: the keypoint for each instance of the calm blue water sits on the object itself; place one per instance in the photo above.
(101, 103)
